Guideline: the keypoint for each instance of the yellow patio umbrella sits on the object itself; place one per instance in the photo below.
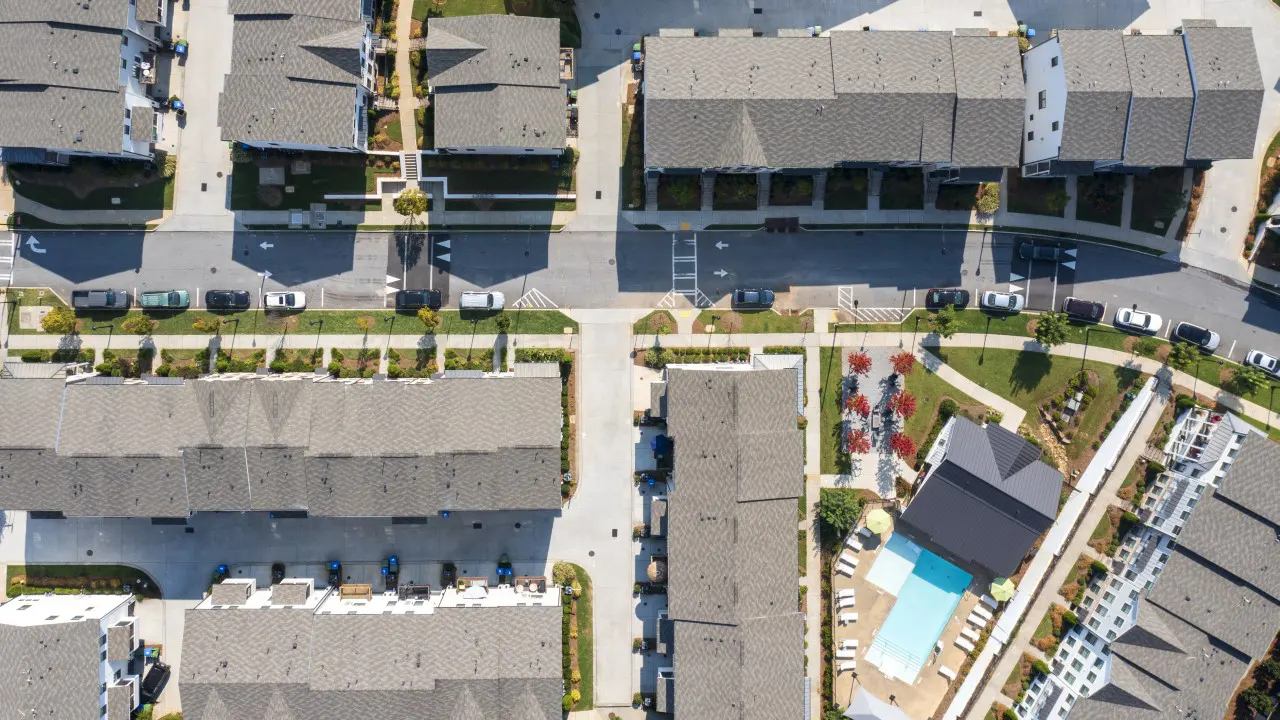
(878, 521)
(1002, 589)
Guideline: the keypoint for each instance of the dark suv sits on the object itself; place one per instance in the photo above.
(939, 298)
(414, 299)
(227, 300)
(1083, 310)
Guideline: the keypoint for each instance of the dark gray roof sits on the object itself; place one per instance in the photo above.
(294, 77)
(149, 10)
(335, 9)
(1098, 92)
(142, 123)
(1162, 98)
(899, 92)
(51, 669)
(290, 593)
(120, 700)
(1227, 535)
(379, 449)
(113, 14)
(1217, 603)
(496, 81)
(292, 663)
(989, 498)
(738, 469)
(120, 641)
(1229, 91)
(989, 101)
(1251, 480)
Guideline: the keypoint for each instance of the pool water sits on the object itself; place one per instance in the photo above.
(927, 598)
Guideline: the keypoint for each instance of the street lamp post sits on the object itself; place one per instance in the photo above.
(1195, 382)
(234, 330)
(855, 316)
(390, 320)
(112, 327)
(1088, 330)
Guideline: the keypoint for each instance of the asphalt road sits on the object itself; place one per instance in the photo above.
(603, 269)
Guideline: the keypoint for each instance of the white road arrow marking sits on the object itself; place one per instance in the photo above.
(266, 245)
(1014, 277)
(720, 273)
(388, 290)
(443, 257)
(392, 279)
(1071, 252)
(720, 244)
(1070, 264)
(1014, 288)
(445, 244)
(34, 244)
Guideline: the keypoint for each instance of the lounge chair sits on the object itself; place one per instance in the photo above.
(947, 672)
(964, 645)
(977, 621)
(848, 617)
(842, 603)
(853, 544)
(989, 601)
(846, 593)
(865, 532)
(969, 633)
(846, 654)
(848, 644)
(848, 666)
(847, 558)
(846, 568)
(982, 612)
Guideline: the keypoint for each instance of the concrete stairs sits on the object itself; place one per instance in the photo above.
(409, 164)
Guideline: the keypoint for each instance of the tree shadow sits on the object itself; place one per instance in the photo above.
(1028, 370)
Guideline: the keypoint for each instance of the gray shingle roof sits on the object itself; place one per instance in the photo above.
(52, 669)
(738, 639)
(290, 593)
(1229, 92)
(1216, 604)
(496, 80)
(1162, 98)
(120, 641)
(112, 14)
(142, 123)
(294, 77)
(1251, 480)
(1226, 535)
(378, 449)
(1098, 92)
(989, 498)
(454, 663)
(989, 101)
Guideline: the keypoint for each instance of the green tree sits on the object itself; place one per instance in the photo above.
(429, 318)
(138, 324)
(1248, 379)
(838, 509)
(1055, 201)
(59, 321)
(503, 321)
(943, 322)
(1258, 701)
(205, 324)
(1051, 329)
(563, 574)
(681, 193)
(410, 203)
(1182, 354)
(365, 323)
(988, 198)
(1270, 668)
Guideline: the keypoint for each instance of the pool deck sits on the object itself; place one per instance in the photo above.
(918, 700)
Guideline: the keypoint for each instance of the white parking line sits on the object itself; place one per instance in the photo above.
(321, 297)
(1233, 349)
(1053, 301)
(197, 297)
(1168, 328)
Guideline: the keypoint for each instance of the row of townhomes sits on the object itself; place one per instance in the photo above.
(1192, 598)
(76, 78)
(379, 448)
(964, 106)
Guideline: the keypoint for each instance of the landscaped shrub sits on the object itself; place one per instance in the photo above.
(1099, 567)
(1009, 714)
(1041, 667)
(1069, 618)
(32, 356)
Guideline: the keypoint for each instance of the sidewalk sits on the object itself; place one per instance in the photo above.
(1012, 414)
(291, 341)
(812, 578)
(407, 102)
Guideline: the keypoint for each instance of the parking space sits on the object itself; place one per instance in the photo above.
(1044, 281)
(417, 260)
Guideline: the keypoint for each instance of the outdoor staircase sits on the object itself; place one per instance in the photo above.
(409, 163)
(708, 190)
(931, 184)
(819, 189)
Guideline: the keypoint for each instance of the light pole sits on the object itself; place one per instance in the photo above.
(1195, 383)
(112, 331)
(855, 316)
(1088, 330)
(234, 330)
(390, 320)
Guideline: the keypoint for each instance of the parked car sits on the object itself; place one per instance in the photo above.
(284, 301)
(1203, 338)
(760, 299)
(1046, 253)
(164, 300)
(227, 300)
(1139, 321)
(154, 682)
(1083, 310)
(414, 299)
(938, 298)
(98, 299)
(479, 300)
(1259, 359)
(1002, 302)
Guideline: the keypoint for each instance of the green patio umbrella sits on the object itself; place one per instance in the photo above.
(1002, 589)
(878, 521)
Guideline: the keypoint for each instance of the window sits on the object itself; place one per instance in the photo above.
(1133, 594)
(1093, 623)
(1044, 99)
(1111, 635)
(1164, 558)
(1077, 665)
(102, 641)
(1031, 134)
(126, 113)
(104, 656)
(1033, 116)
(123, 63)
(1125, 608)
(1062, 712)
(1115, 584)
(117, 674)
(1088, 602)
(1130, 575)
(1055, 125)
(1097, 663)
(1184, 514)
(1071, 641)
(1053, 62)
(1108, 596)
(1092, 676)
(1119, 621)
(1091, 638)
(1196, 472)
(1062, 654)
(1070, 678)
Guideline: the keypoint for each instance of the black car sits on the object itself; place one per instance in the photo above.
(1032, 251)
(227, 300)
(154, 682)
(753, 298)
(1083, 310)
(415, 299)
(939, 298)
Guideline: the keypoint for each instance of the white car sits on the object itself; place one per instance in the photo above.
(1259, 359)
(1002, 301)
(291, 300)
(1138, 321)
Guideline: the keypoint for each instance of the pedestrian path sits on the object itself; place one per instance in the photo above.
(1012, 415)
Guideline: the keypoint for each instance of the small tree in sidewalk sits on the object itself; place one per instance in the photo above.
(859, 363)
(858, 442)
(903, 404)
(903, 362)
(902, 446)
(59, 321)
(411, 202)
(859, 404)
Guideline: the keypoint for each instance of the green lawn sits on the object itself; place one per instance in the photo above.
(536, 322)
(757, 321)
(929, 390)
(1103, 528)
(1027, 378)
(802, 552)
(832, 369)
(75, 579)
(586, 641)
(1156, 199)
(902, 189)
(504, 174)
(679, 192)
(658, 322)
(1037, 196)
(454, 8)
(154, 194)
(1100, 198)
(344, 175)
(953, 196)
(846, 189)
(975, 321)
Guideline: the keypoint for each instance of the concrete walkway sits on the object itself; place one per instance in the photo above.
(1079, 543)
(1012, 414)
(407, 102)
(812, 579)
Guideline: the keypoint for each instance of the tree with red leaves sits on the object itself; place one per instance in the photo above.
(859, 363)
(858, 442)
(904, 404)
(903, 363)
(858, 404)
(903, 446)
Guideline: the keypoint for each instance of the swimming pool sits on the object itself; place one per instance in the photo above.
(926, 600)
